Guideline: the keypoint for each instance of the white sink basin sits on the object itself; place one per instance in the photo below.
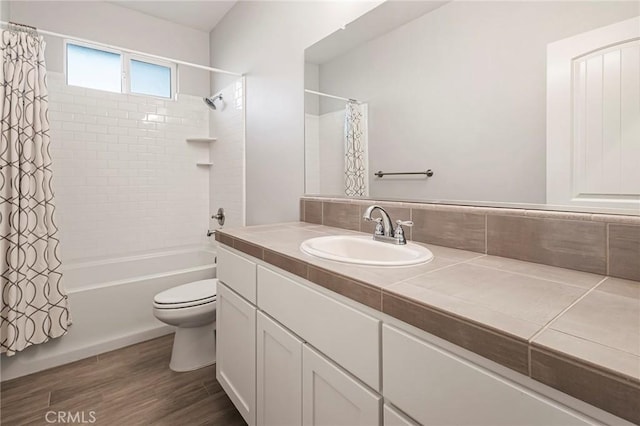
(363, 250)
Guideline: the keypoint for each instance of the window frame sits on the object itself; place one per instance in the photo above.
(94, 47)
(125, 69)
(126, 73)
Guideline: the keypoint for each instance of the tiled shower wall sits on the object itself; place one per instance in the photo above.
(227, 156)
(125, 179)
(324, 152)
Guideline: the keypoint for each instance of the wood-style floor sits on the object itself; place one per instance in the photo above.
(126, 387)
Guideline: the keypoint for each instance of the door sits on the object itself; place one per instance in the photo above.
(332, 397)
(236, 350)
(593, 118)
(279, 381)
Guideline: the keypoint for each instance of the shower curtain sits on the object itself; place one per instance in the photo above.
(34, 304)
(356, 163)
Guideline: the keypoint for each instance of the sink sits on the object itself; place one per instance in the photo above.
(363, 250)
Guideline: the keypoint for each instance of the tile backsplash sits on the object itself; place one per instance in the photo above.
(596, 243)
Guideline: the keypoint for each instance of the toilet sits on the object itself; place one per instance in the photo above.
(191, 308)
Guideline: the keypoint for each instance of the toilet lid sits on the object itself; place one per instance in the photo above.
(197, 291)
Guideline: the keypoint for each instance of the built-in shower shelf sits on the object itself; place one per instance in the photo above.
(204, 164)
(202, 139)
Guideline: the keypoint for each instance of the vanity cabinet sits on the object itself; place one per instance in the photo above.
(279, 374)
(436, 387)
(236, 351)
(292, 353)
(332, 397)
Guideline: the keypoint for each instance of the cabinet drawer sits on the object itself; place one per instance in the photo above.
(347, 336)
(237, 273)
(436, 387)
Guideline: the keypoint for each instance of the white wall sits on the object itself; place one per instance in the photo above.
(125, 179)
(108, 23)
(462, 90)
(266, 40)
(311, 82)
(312, 153)
(4, 10)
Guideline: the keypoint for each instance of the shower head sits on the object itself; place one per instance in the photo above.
(210, 101)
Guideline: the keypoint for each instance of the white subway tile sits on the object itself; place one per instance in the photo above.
(127, 106)
(73, 126)
(119, 187)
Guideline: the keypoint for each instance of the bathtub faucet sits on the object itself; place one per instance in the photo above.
(210, 232)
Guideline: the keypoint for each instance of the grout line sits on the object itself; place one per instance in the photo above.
(606, 247)
(419, 275)
(579, 299)
(479, 256)
(522, 274)
(486, 234)
(411, 228)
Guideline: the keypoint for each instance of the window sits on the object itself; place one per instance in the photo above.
(93, 68)
(149, 79)
(114, 71)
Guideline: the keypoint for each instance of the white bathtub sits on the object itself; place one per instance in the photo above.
(111, 306)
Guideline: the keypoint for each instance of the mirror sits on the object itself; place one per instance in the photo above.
(463, 89)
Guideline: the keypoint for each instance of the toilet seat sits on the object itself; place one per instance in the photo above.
(187, 295)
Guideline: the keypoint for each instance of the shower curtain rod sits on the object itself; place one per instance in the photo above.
(326, 95)
(124, 49)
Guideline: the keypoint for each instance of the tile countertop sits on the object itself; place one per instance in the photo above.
(575, 331)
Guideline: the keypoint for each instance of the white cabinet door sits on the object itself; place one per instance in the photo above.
(236, 351)
(332, 397)
(436, 387)
(279, 369)
(393, 417)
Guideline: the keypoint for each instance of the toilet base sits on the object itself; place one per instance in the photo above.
(193, 348)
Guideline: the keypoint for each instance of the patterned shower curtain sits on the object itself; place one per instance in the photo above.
(34, 304)
(355, 162)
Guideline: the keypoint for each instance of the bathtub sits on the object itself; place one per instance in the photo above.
(111, 306)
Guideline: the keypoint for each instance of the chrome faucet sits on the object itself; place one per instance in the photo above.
(384, 228)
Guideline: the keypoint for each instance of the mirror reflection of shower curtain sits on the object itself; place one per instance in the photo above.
(356, 167)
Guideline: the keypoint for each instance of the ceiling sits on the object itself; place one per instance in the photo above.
(378, 21)
(201, 15)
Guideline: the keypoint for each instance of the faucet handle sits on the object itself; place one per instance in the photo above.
(404, 222)
(379, 227)
(399, 232)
